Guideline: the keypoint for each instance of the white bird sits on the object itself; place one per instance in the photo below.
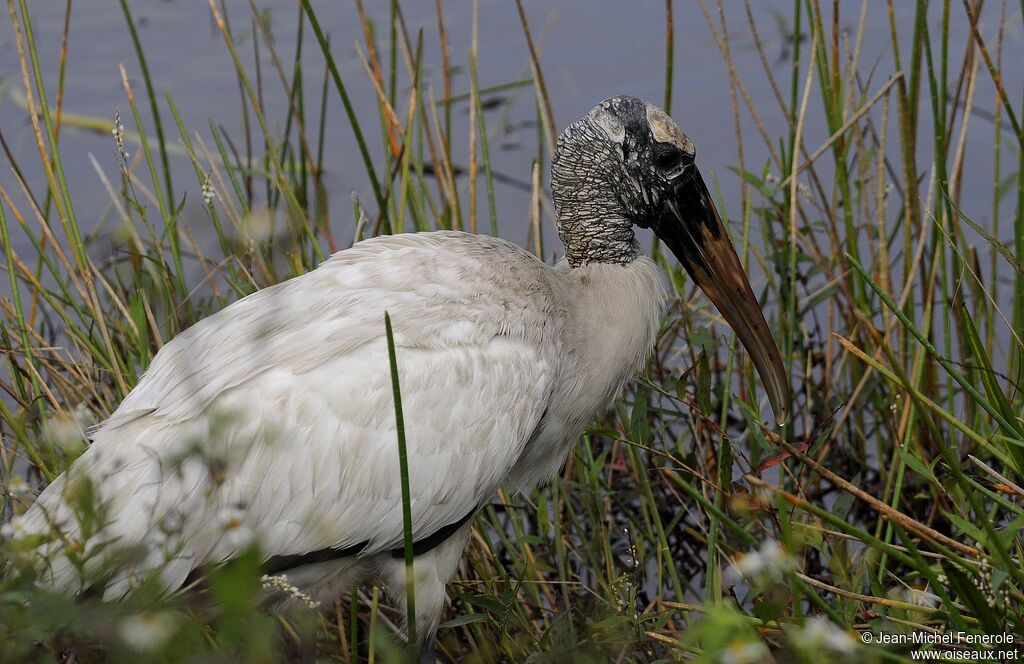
(273, 420)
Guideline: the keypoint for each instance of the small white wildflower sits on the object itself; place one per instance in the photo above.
(65, 431)
(623, 591)
(147, 631)
(173, 521)
(771, 178)
(118, 132)
(157, 538)
(207, 190)
(280, 582)
(633, 561)
(233, 521)
(888, 189)
(819, 633)
(239, 537)
(231, 517)
(921, 597)
(769, 561)
(14, 529)
(161, 539)
(17, 486)
(744, 652)
(166, 535)
(805, 191)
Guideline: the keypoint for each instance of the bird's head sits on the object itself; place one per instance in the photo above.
(626, 164)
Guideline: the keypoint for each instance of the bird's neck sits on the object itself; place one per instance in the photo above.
(601, 242)
(592, 221)
(594, 233)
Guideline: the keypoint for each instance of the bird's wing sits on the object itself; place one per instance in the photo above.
(275, 417)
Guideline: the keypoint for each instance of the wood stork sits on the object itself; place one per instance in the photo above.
(273, 419)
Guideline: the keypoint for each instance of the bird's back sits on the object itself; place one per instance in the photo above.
(274, 418)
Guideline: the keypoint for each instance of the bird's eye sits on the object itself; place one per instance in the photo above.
(668, 160)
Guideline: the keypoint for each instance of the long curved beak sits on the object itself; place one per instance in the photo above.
(692, 229)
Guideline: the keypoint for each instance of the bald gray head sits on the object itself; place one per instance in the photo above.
(614, 169)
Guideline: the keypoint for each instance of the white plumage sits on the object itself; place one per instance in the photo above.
(280, 406)
(273, 419)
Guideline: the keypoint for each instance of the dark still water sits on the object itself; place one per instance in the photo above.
(591, 50)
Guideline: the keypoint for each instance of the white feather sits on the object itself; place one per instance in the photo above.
(280, 406)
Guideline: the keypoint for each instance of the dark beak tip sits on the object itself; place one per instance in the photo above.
(779, 393)
(781, 417)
